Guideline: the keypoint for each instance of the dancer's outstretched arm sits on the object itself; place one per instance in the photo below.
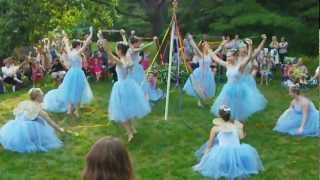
(194, 46)
(86, 42)
(66, 42)
(123, 35)
(261, 45)
(45, 116)
(304, 117)
(211, 138)
(248, 57)
(216, 58)
(142, 47)
(113, 57)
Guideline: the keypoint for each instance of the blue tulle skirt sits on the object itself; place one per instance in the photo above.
(290, 121)
(249, 79)
(229, 161)
(200, 80)
(75, 88)
(138, 73)
(53, 101)
(127, 101)
(200, 152)
(25, 136)
(154, 93)
(260, 100)
(241, 98)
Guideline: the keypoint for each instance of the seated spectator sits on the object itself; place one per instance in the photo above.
(286, 70)
(57, 70)
(300, 73)
(10, 73)
(108, 159)
(315, 80)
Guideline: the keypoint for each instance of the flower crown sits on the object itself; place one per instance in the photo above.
(33, 90)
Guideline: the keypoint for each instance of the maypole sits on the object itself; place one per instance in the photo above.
(173, 27)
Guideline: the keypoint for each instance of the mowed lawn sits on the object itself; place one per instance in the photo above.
(163, 150)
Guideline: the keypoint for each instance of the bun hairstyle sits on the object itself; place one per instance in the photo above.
(34, 93)
(76, 43)
(225, 112)
(295, 89)
(123, 47)
(233, 51)
(133, 40)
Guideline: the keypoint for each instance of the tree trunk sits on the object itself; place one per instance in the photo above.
(157, 11)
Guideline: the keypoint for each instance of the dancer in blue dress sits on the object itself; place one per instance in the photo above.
(201, 82)
(226, 157)
(248, 77)
(32, 130)
(75, 89)
(235, 94)
(151, 90)
(135, 48)
(301, 118)
(127, 100)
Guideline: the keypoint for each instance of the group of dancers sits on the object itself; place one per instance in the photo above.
(32, 130)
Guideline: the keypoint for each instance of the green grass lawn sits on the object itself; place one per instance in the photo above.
(163, 150)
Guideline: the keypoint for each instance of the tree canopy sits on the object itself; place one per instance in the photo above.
(24, 22)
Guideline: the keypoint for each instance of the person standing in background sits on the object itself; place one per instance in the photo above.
(283, 49)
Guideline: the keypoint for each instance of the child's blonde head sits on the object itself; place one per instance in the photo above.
(35, 93)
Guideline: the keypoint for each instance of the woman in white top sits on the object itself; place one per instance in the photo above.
(274, 46)
(9, 73)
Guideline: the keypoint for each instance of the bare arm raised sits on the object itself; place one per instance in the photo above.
(216, 58)
(86, 42)
(248, 57)
(261, 45)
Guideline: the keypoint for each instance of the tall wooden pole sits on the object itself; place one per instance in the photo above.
(173, 29)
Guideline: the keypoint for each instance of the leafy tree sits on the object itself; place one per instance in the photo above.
(27, 21)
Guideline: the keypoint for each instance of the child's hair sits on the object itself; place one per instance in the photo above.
(295, 89)
(225, 113)
(76, 43)
(233, 51)
(122, 47)
(134, 40)
(108, 159)
(34, 93)
(201, 45)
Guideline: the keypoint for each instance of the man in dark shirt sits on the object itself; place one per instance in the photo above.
(57, 70)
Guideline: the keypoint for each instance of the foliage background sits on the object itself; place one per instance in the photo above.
(24, 22)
